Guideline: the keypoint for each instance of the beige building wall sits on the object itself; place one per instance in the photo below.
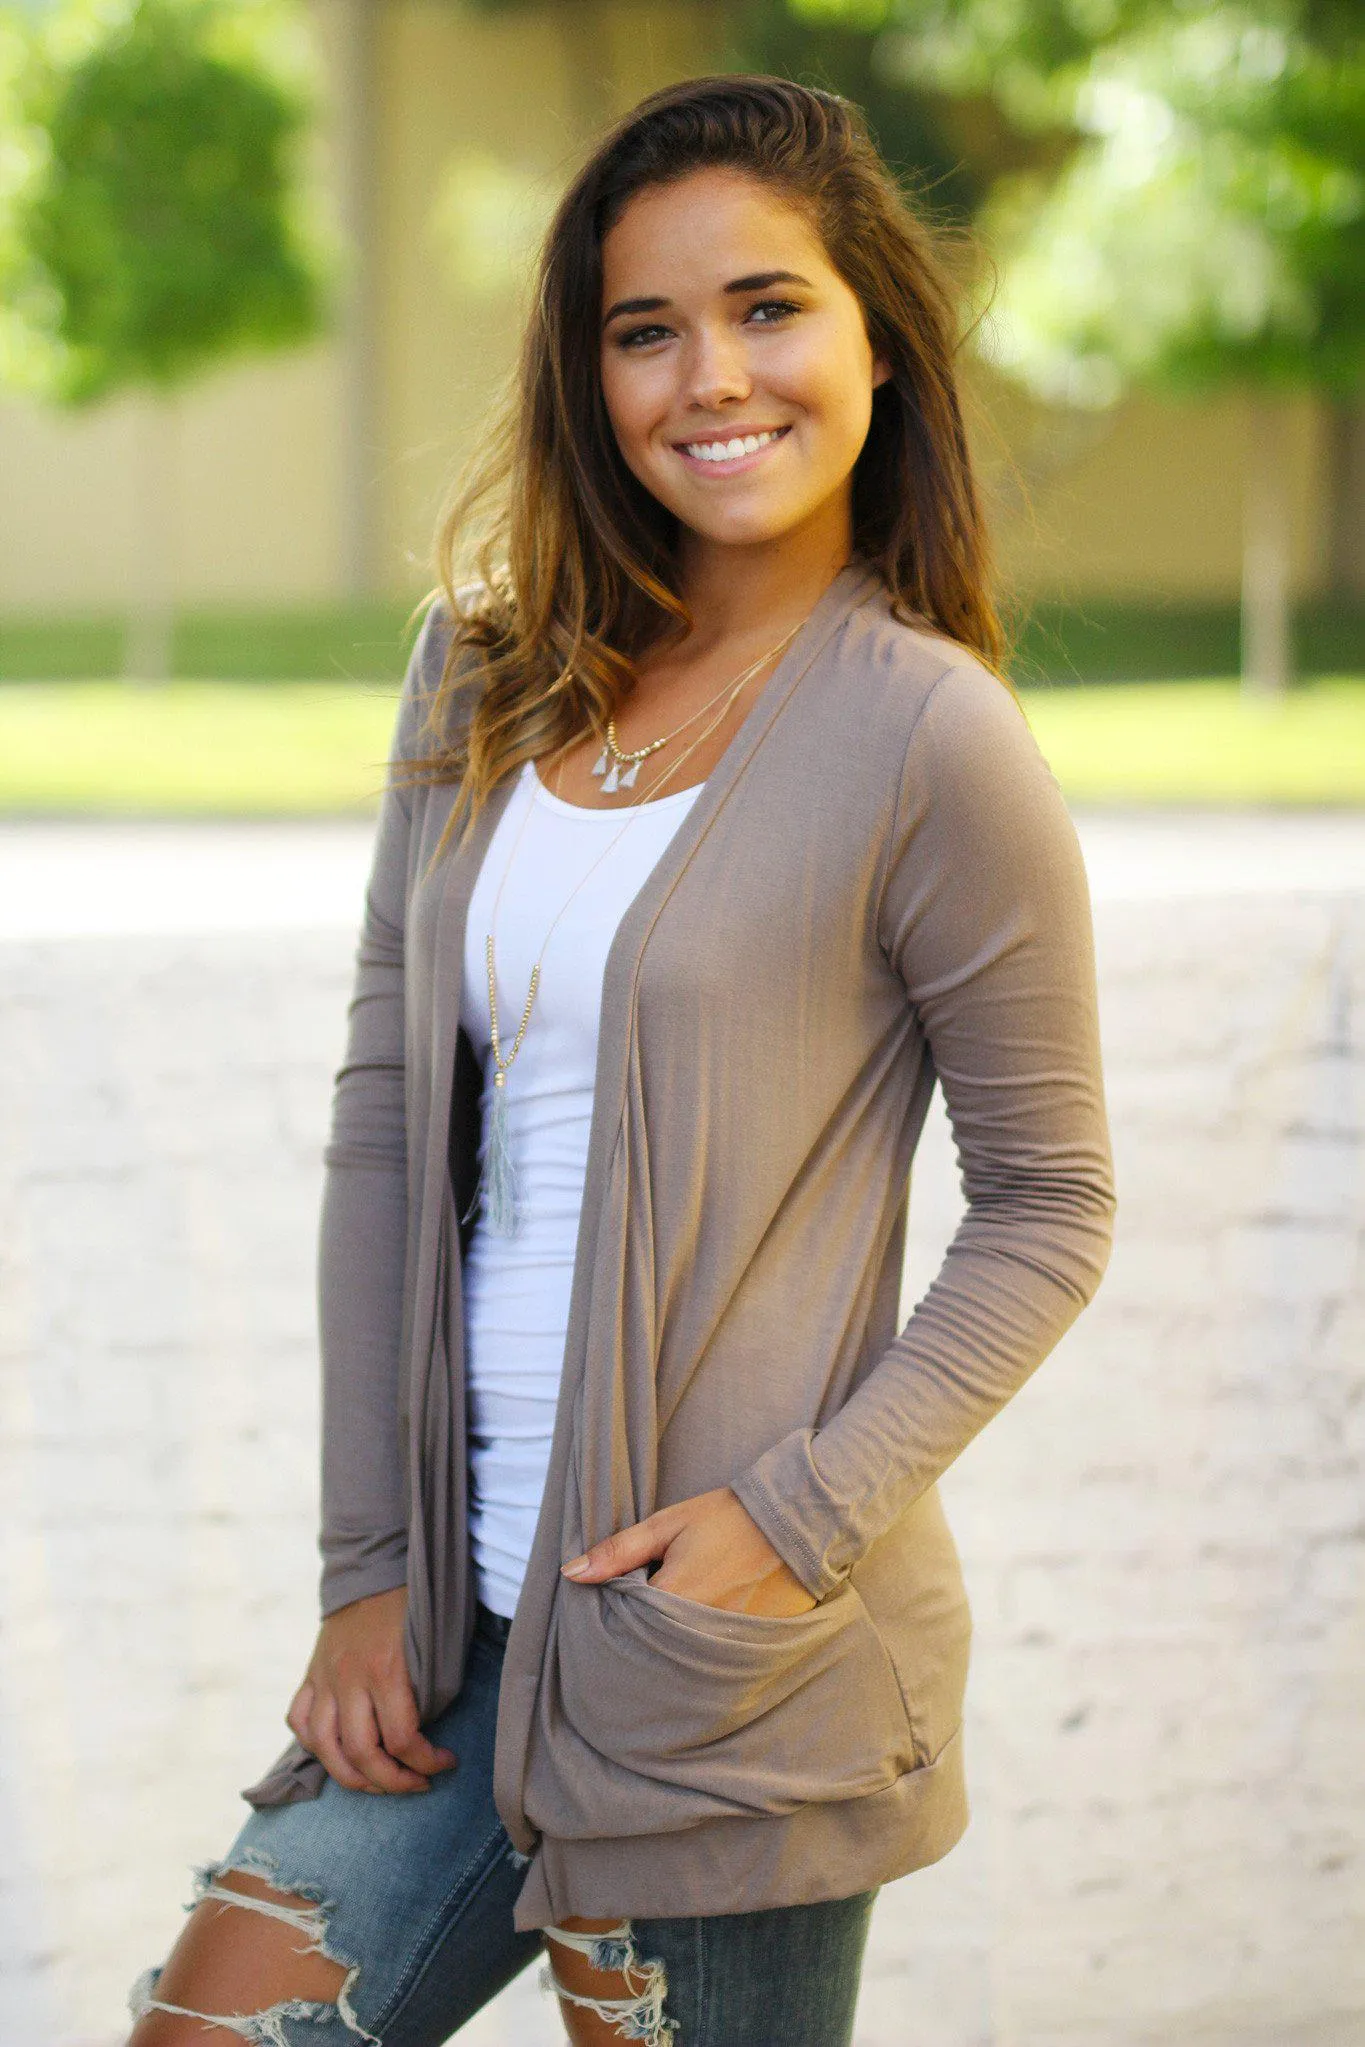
(477, 127)
(1145, 498)
(253, 491)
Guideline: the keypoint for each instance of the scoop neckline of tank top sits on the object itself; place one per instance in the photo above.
(548, 797)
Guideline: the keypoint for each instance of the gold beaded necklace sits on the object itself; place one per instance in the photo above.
(497, 1189)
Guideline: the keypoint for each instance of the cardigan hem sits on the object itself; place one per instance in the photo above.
(820, 1851)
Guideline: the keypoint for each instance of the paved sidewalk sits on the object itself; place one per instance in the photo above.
(75, 879)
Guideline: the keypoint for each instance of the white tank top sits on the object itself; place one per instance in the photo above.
(516, 1289)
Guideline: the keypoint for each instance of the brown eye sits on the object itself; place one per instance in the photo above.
(629, 339)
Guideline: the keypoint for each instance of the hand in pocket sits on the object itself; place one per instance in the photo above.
(709, 1549)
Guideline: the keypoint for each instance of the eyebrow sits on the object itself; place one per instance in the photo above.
(760, 281)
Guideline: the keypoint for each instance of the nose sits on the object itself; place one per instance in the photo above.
(717, 368)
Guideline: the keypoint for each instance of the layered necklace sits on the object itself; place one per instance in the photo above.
(497, 1188)
(618, 767)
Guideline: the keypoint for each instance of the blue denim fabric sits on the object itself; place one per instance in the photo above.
(416, 1893)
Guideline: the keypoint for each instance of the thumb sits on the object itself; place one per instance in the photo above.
(638, 1544)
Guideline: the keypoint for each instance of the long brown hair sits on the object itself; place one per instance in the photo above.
(575, 564)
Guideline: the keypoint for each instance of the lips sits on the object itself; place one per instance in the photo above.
(729, 466)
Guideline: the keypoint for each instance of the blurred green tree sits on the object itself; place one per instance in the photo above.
(159, 228)
(1204, 230)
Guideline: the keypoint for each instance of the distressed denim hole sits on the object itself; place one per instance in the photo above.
(638, 2014)
(300, 1906)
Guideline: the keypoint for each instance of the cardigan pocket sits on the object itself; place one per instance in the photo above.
(727, 1711)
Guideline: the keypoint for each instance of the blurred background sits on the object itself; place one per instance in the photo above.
(263, 265)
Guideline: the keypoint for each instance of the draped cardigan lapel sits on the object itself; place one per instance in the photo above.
(610, 1481)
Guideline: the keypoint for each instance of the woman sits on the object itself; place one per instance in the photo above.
(714, 836)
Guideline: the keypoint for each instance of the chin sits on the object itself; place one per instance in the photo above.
(756, 533)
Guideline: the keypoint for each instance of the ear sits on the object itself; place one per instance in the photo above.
(881, 370)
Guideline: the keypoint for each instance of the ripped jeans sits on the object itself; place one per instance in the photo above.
(412, 1895)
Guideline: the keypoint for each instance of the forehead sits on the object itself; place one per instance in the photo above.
(703, 228)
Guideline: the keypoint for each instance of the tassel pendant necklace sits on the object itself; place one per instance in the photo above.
(497, 1191)
(618, 770)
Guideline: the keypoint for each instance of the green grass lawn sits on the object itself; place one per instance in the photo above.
(194, 748)
(298, 748)
(1200, 742)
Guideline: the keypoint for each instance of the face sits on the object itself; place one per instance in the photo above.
(704, 342)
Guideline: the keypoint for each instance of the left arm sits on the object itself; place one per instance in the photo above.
(984, 914)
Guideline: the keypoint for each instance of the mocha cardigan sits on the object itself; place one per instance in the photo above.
(878, 886)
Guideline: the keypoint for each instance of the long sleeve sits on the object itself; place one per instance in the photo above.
(985, 916)
(362, 1239)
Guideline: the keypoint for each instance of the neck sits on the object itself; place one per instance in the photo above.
(750, 595)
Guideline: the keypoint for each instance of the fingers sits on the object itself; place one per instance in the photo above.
(359, 1730)
(322, 1738)
(712, 1551)
(638, 1544)
(402, 1734)
(300, 1706)
(345, 1738)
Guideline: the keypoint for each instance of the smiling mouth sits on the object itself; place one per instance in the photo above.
(726, 456)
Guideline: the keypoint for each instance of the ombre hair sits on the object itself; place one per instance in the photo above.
(575, 568)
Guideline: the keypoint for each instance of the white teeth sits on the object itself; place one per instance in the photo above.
(729, 451)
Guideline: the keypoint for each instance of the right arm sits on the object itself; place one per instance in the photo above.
(355, 1709)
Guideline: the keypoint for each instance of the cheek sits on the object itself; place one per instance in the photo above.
(620, 389)
(823, 372)
(841, 391)
(633, 406)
